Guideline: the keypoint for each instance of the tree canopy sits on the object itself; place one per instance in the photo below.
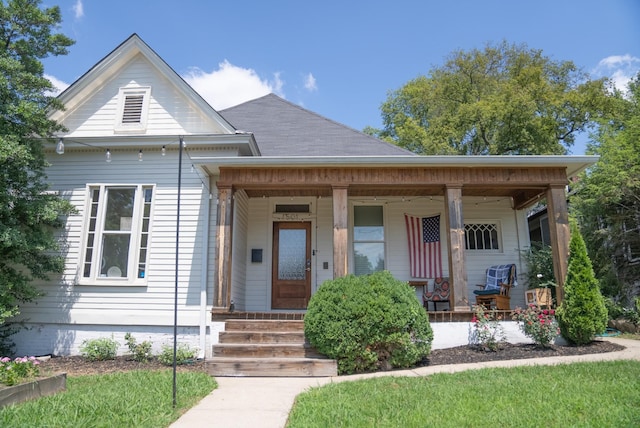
(607, 200)
(28, 213)
(504, 99)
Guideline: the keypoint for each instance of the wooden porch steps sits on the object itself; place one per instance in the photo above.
(267, 348)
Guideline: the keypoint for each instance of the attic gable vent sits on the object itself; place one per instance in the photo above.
(132, 111)
(133, 107)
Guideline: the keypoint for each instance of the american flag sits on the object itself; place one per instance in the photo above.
(423, 235)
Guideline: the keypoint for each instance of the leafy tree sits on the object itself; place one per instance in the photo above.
(505, 99)
(608, 200)
(582, 313)
(28, 214)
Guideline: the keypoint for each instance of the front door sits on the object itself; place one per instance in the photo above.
(291, 270)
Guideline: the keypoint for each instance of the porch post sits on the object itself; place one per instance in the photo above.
(559, 230)
(340, 219)
(222, 296)
(455, 242)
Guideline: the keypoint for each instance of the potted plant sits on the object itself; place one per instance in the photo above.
(540, 284)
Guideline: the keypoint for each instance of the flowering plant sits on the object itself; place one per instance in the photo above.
(487, 331)
(538, 324)
(15, 371)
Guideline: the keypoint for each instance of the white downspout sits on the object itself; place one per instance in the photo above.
(204, 276)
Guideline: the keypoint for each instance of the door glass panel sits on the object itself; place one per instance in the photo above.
(292, 247)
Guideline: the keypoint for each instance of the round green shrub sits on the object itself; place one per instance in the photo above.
(368, 323)
(582, 313)
(101, 349)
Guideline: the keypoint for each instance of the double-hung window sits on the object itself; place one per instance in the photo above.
(368, 239)
(117, 234)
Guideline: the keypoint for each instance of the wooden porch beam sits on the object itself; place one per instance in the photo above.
(256, 178)
(222, 274)
(455, 242)
(340, 223)
(558, 216)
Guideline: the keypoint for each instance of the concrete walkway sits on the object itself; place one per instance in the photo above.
(265, 402)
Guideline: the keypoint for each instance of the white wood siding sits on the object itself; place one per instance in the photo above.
(169, 112)
(67, 302)
(258, 280)
(323, 242)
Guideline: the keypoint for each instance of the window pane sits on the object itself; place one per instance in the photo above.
(368, 257)
(119, 209)
(368, 223)
(480, 236)
(115, 255)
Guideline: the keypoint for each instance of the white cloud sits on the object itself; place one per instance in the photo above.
(619, 68)
(78, 9)
(58, 85)
(310, 83)
(230, 85)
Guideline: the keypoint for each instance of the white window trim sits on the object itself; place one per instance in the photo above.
(121, 127)
(498, 224)
(136, 232)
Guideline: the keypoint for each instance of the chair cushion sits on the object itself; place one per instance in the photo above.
(486, 292)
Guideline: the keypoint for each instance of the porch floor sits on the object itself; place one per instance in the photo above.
(434, 316)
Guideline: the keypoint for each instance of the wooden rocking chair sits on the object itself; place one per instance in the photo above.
(495, 291)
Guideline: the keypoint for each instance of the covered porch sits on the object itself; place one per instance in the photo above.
(461, 186)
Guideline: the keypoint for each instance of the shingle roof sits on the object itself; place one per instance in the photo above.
(282, 128)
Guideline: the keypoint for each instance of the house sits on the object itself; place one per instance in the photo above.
(187, 212)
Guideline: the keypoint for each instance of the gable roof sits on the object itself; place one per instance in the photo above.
(80, 91)
(282, 128)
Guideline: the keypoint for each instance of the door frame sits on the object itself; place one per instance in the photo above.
(276, 227)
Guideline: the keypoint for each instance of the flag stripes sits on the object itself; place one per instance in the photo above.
(423, 236)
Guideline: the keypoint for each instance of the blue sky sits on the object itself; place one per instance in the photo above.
(341, 58)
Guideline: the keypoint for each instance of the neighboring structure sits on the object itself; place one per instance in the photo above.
(274, 200)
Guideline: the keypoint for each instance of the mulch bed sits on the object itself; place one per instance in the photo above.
(473, 354)
(77, 365)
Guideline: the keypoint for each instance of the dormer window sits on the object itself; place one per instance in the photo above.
(133, 106)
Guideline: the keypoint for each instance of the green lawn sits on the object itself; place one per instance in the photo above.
(603, 394)
(141, 398)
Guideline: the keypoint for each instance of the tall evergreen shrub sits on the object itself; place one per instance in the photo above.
(582, 314)
(368, 323)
